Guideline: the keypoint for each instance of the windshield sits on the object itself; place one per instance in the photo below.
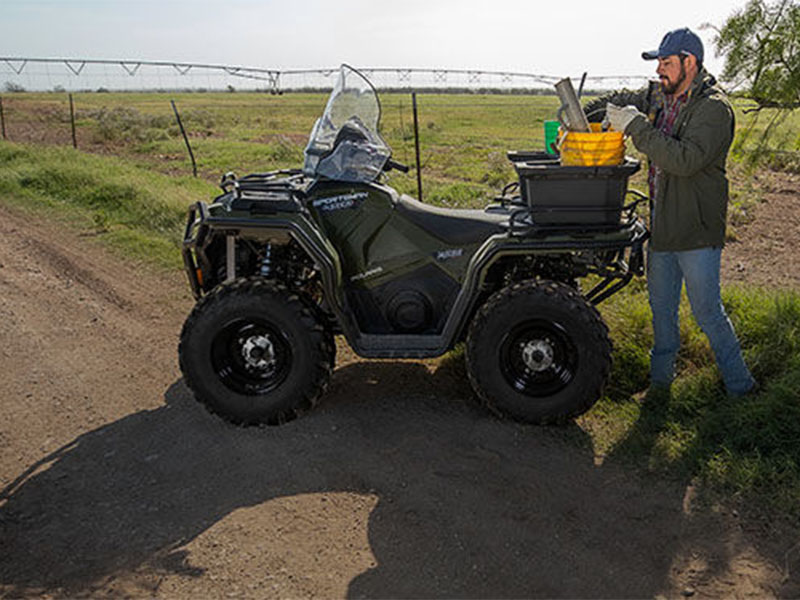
(344, 143)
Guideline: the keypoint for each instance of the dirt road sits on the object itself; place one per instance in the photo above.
(114, 482)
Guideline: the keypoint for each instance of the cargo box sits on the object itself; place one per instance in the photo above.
(574, 195)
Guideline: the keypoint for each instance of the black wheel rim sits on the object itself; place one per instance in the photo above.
(538, 358)
(251, 356)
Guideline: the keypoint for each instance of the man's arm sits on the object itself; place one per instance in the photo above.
(708, 133)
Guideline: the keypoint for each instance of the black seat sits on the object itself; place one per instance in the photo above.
(454, 226)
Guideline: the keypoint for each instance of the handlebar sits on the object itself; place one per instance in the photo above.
(392, 164)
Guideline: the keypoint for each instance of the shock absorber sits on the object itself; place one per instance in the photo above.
(266, 261)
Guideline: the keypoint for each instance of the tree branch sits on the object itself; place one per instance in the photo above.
(762, 104)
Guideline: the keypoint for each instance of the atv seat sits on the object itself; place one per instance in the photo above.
(454, 226)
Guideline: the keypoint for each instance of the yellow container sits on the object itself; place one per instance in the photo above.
(598, 148)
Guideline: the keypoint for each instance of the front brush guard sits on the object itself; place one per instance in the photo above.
(193, 237)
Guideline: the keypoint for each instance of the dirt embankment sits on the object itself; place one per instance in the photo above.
(113, 482)
(765, 251)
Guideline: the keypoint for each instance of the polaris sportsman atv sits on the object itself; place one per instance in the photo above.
(281, 262)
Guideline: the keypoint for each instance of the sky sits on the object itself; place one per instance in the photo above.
(557, 38)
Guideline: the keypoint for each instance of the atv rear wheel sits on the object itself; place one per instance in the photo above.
(538, 352)
(253, 352)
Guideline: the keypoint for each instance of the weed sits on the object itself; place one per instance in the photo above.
(128, 125)
(456, 195)
(283, 150)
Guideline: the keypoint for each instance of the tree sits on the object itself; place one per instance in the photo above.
(761, 45)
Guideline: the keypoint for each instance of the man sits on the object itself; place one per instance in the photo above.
(685, 130)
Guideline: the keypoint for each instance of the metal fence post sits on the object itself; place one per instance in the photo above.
(72, 121)
(2, 119)
(416, 145)
(185, 138)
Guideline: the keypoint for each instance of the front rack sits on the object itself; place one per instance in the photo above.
(283, 179)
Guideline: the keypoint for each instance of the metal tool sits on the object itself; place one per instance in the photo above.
(570, 114)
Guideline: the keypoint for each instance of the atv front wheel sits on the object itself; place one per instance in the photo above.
(253, 352)
(538, 352)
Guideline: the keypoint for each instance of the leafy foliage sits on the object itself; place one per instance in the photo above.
(761, 44)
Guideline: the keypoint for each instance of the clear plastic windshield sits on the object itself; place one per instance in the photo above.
(344, 144)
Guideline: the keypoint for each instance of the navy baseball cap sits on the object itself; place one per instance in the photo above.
(677, 41)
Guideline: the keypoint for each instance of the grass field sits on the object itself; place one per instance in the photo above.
(132, 182)
(463, 137)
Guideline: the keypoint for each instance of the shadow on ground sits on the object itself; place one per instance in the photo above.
(468, 506)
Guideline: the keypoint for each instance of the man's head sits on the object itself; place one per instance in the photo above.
(680, 57)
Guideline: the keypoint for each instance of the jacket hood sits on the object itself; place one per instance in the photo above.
(703, 83)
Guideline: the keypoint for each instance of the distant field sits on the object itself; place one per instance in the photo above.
(464, 137)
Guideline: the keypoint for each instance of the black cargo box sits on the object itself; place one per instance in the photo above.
(574, 195)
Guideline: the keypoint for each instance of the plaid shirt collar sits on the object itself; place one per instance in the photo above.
(669, 112)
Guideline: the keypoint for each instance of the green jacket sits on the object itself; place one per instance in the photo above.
(691, 203)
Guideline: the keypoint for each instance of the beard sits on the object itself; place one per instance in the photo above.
(669, 87)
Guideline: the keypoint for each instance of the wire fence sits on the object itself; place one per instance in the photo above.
(464, 137)
(246, 128)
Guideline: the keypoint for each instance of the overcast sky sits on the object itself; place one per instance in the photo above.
(562, 37)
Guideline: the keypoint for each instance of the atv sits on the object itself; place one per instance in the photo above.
(283, 261)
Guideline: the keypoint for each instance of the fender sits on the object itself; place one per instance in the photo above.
(200, 222)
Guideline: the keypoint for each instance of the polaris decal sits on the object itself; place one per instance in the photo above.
(365, 274)
(448, 254)
(339, 202)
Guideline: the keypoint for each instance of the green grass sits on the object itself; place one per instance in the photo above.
(463, 137)
(746, 448)
(132, 184)
(138, 212)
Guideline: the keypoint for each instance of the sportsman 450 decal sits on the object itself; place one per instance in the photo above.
(341, 202)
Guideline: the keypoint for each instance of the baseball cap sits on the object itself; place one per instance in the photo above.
(677, 41)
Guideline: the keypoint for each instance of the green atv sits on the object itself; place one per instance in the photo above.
(283, 261)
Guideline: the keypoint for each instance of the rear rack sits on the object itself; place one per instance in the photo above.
(579, 209)
(523, 219)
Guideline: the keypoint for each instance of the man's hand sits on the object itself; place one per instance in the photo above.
(619, 117)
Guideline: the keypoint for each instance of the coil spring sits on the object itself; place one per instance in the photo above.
(266, 261)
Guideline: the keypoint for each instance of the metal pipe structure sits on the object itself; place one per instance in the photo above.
(273, 77)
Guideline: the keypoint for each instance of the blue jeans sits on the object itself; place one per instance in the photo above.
(700, 269)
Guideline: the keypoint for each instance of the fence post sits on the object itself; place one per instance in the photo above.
(416, 145)
(72, 121)
(2, 119)
(185, 138)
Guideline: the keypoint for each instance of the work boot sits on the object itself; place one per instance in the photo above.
(754, 391)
